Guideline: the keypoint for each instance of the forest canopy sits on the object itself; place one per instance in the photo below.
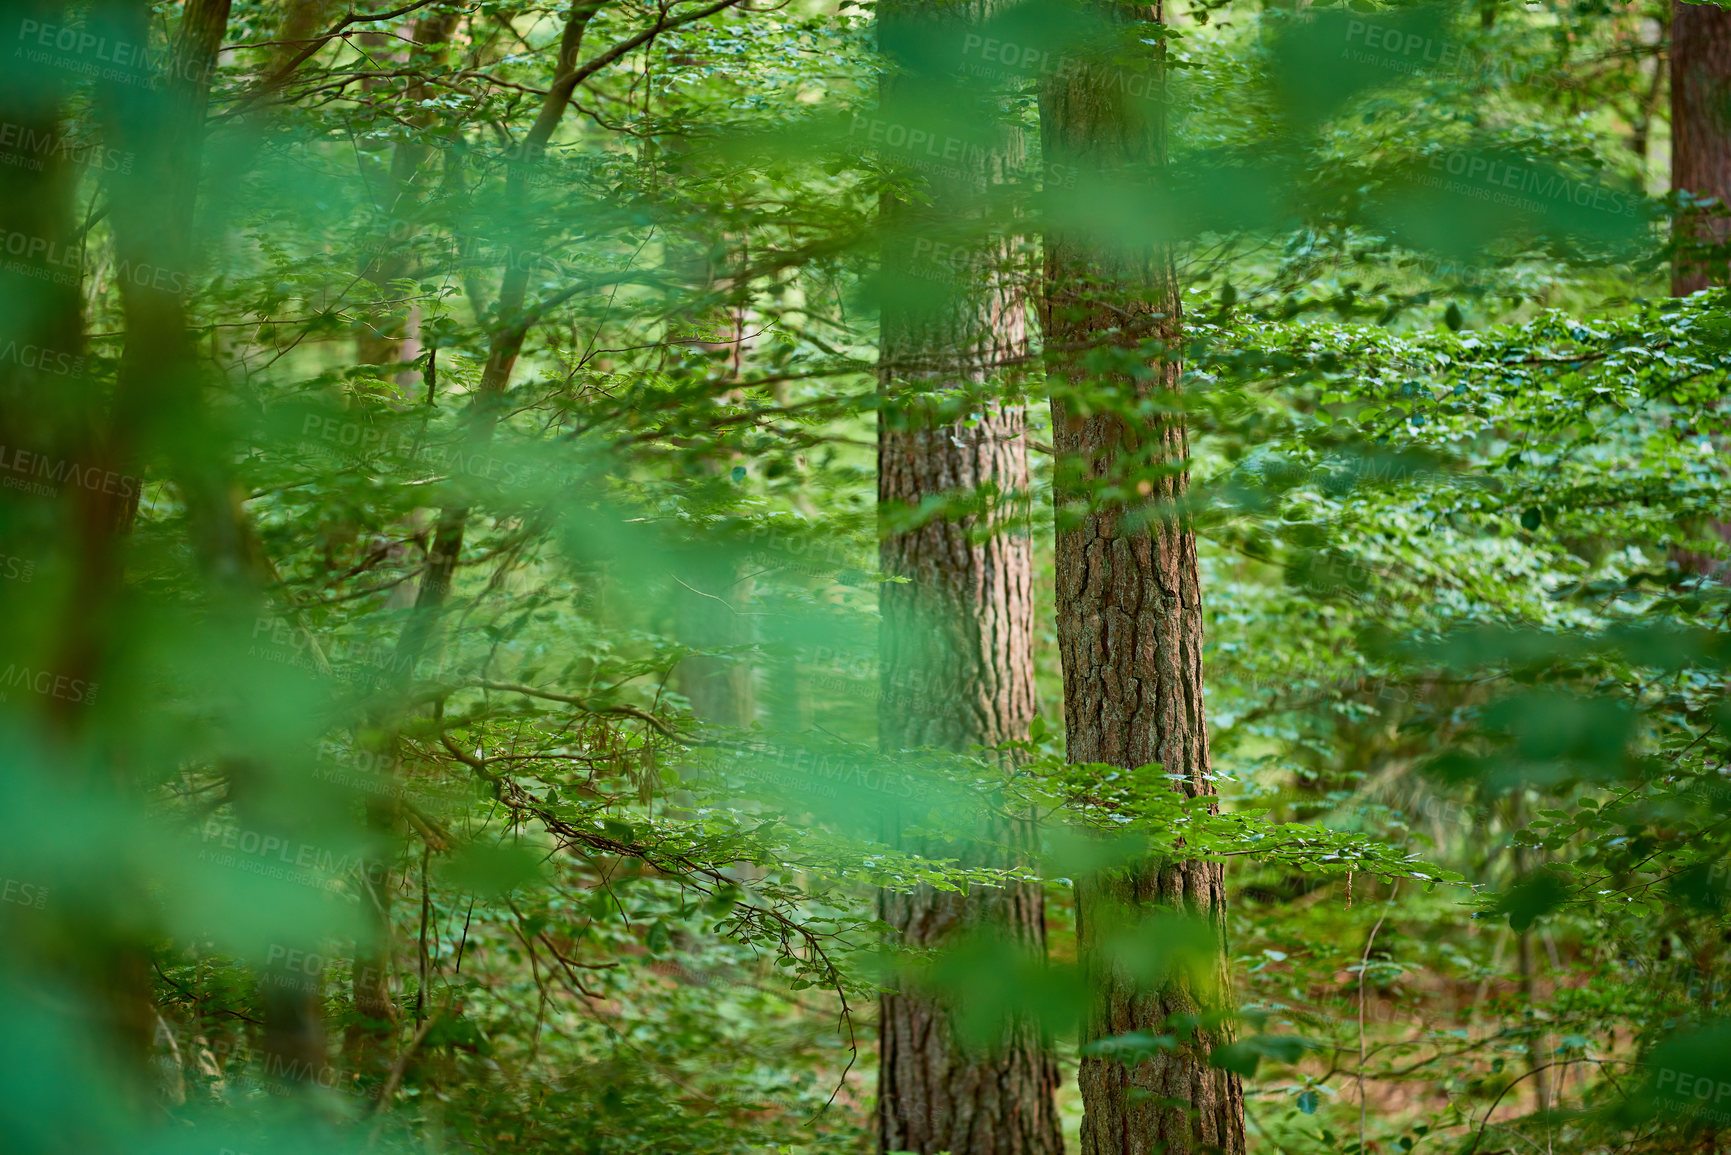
(1000, 577)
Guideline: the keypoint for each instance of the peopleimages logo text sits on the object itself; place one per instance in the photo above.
(93, 55)
(1403, 51)
(24, 894)
(1707, 1092)
(42, 359)
(82, 43)
(1523, 180)
(24, 463)
(454, 459)
(51, 254)
(277, 857)
(960, 158)
(24, 147)
(1027, 60)
(1397, 40)
(47, 683)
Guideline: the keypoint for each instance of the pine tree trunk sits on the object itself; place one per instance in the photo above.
(956, 640)
(957, 670)
(1701, 131)
(1130, 613)
(1701, 164)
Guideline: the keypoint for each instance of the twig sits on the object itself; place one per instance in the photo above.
(1479, 1137)
(584, 704)
(395, 1078)
(1363, 967)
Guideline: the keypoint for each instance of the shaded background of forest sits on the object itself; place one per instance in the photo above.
(441, 563)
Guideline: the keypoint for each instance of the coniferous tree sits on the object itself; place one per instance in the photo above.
(1701, 133)
(956, 646)
(1129, 600)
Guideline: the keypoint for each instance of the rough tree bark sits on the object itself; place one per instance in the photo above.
(956, 638)
(1701, 131)
(1700, 64)
(1129, 602)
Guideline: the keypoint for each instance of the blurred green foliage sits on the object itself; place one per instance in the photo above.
(1457, 469)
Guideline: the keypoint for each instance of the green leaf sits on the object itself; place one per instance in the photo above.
(491, 870)
(1532, 899)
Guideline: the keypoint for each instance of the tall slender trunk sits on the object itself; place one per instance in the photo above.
(152, 212)
(515, 317)
(383, 340)
(370, 984)
(957, 637)
(1538, 1064)
(44, 403)
(366, 1041)
(159, 404)
(1701, 133)
(161, 120)
(1526, 958)
(1129, 606)
(506, 342)
(50, 406)
(712, 610)
(1700, 64)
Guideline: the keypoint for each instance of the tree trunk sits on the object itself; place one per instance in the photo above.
(1538, 1065)
(151, 216)
(713, 609)
(1130, 608)
(1700, 64)
(366, 1041)
(505, 343)
(514, 316)
(383, 339)
(159, 403)
(713, 612)
(956, 640)
(1701, 133)
(56, 410)
(49, 405)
